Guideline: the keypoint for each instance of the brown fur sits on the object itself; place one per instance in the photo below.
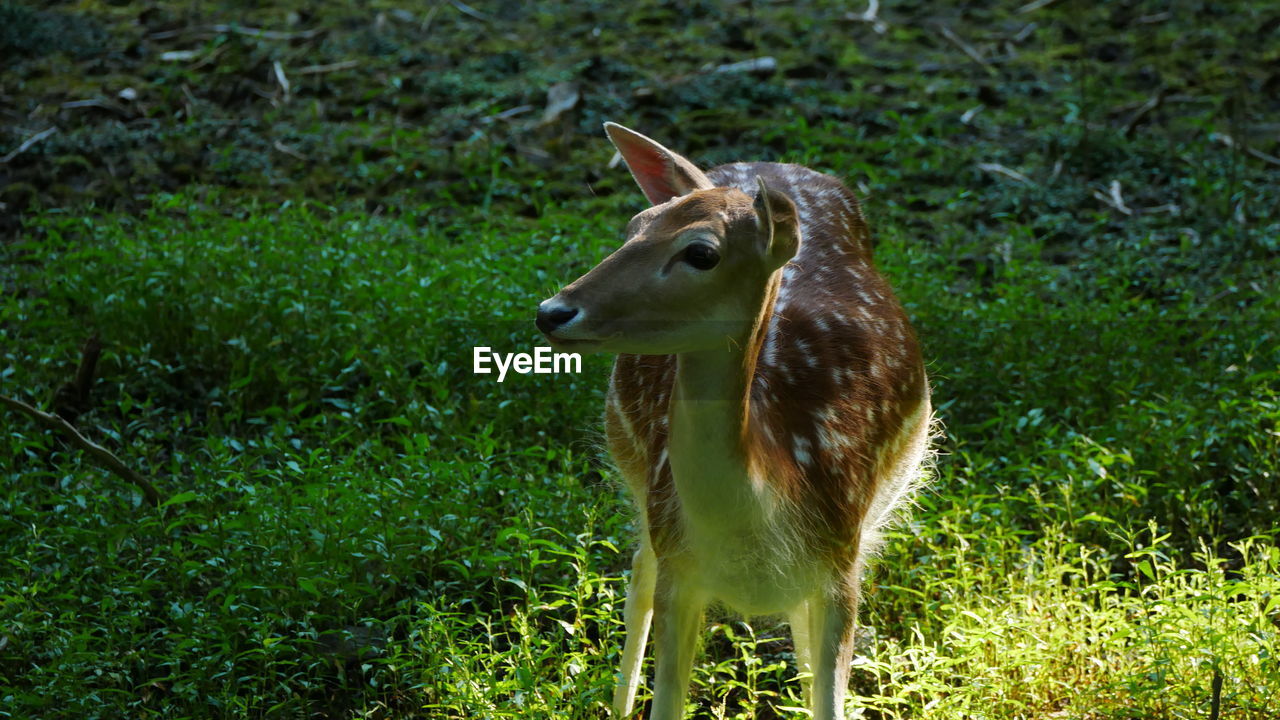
(865, 370)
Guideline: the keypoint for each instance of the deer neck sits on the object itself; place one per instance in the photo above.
(710, 416)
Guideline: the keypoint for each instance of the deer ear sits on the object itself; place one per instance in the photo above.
(778, 218)
(661, 173)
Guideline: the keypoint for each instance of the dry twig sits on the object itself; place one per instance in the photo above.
(281, 78)
(760, 64)
(1146, 109)
(1024, 33)
(561, 98)
(1264, 157)
(72, 398)
(327, 68)
(466, 9)
(1114, 198)
(506, 114)
(999, 169)
(1034, 6)
(265, 34)
(288, 151)
(966, 48)
(101, 455)
(26, 144)
(1231, 143)
(870, 15)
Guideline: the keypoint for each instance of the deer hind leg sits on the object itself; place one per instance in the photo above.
(832, 619)
(639, 614)
(799, 620)
(677, 622)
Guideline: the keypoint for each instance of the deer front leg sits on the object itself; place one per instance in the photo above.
(799, 619)
(832, 620)
(677, 621)
(639, 614)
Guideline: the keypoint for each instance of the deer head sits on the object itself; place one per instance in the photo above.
(694, 271)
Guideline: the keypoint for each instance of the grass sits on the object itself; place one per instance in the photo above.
(357, 526)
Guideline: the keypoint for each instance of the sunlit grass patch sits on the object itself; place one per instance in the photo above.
(1064, 636)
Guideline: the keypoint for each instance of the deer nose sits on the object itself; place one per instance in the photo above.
(551, 317)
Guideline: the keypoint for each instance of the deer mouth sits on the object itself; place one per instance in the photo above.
(576, 344)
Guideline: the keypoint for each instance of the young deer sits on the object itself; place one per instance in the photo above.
(768, 408)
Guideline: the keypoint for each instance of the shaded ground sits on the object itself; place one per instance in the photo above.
(393, 105)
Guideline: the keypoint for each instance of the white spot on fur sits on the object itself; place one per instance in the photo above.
(800, 447)
(662, 460)
(770, 355)
(802, 348)
(785, 372)
(829, 440)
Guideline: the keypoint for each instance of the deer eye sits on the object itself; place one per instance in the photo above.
(701, 256)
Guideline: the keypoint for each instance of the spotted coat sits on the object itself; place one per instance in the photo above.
(838, 388)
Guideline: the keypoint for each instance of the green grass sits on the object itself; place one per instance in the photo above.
(358, 526)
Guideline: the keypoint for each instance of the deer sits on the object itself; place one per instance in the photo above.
(768, 409)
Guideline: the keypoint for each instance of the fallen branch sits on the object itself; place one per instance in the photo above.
(179, 55)
(72, 399)
(327, 68)
(95, 103)
(561, 98)
(1264, 157)
(870, 15)
(1057, 170)
(281, 78)
(763, 65)
(966, 48)
(288, 151)
(1010, 173)
(760, 64)
(507, 114)
(238, 30)
(1231, 143)
(103, 456)
(265, 34)
(26, 144)
(1114, 198)
(1034, 6)
(1141, 113)
(466, 9)
(1024, 33)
